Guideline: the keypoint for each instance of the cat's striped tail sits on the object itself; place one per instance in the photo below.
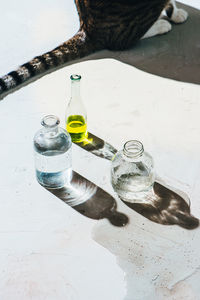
(75, 48)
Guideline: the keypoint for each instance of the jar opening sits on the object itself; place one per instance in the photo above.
(50, 121)
(75, 77)
(133, 149)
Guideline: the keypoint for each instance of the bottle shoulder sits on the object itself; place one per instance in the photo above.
(121, 159)
(50, 141)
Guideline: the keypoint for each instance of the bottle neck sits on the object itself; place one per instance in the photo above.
(75, 89)
(50, 125)
(51, 131)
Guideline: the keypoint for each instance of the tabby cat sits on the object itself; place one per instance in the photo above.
(104, 24)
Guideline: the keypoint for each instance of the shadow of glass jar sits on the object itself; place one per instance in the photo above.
(162, 205)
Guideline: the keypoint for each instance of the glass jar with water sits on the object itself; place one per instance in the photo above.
(132, 172)
(52, 151)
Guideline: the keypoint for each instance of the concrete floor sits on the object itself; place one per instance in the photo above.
(176, 56)
(47, 249)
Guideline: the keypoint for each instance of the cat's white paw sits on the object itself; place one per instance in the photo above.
(159, 27)
(179, 15)
(163, 26)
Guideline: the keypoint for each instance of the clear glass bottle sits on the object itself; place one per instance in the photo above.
(132, 172)
(52, 152)
(76, 117)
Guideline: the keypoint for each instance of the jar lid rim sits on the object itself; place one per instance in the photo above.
(133, 148)
(50, 121)
(75, 77)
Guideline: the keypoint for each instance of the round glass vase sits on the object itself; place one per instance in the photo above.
(132, 172)
(52, 153)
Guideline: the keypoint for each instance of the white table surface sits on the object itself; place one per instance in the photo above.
(47, 249)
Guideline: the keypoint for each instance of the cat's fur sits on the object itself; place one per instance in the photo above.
(104, 24)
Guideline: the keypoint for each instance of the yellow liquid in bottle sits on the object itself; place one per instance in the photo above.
(77, 128)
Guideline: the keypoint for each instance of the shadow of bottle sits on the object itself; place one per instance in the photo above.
(90, 200)
(98, 147)
(166, 207)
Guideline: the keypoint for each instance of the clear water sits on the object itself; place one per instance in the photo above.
(132, 186)
(53, 168)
